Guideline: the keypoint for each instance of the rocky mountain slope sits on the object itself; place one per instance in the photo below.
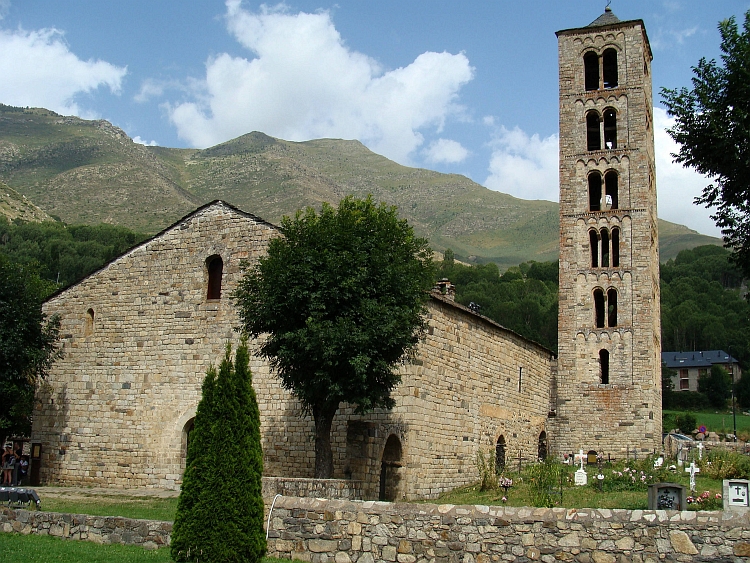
(90, 171)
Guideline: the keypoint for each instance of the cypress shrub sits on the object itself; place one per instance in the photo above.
(220, 510)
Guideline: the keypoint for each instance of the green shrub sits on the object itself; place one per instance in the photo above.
(487, 470)
(220, 510)
(723, 464)
(545, 479)
(688, 401)
(685, 422)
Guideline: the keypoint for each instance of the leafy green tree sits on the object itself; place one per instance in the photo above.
(717, 386)
(342, 298)
(742, 391)
(28, 343)
(667, 386)
(712, 126)
(220, 510)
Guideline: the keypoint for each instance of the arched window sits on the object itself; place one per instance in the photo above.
(500, 455)
(610, 187)
(595, 192)
(88, 327)
(186, 431)
(215, 267)
(542, 446)
(609, 68)
(599, 308)
(604, 366)
(615, 248)
(389, 469)
(593, 136)
(594, 243)
(611, 307)
(610, 129)
(591, 70)
(605, 248)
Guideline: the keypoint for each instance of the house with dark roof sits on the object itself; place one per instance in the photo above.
(691, 365)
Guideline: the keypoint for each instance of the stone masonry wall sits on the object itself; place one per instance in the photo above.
(323, 531)
(150, 534)
(139, 335)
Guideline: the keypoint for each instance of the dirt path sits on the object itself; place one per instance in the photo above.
(75, 493)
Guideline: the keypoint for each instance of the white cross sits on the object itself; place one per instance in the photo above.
(700, 450)
(693, 469)
(580, 457)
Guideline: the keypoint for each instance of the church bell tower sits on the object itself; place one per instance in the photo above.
(608, 382)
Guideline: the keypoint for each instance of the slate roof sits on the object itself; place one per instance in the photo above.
(697, 359)
(607, 18)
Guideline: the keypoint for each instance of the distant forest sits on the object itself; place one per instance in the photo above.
(702, 294)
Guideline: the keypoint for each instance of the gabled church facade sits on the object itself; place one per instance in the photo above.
(139, 335)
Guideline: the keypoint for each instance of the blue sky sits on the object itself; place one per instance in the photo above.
(463, 87)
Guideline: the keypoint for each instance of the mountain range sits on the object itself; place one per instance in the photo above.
(89, 171)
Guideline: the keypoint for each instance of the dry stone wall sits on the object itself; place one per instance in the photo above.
(322, 531)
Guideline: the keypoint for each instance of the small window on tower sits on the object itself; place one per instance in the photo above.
(215, 267)
(593, 136)
(604, 366)
(611, 189)
(612, 307)
(88, 328)
(610, 128)
(595, 192)
(605, 248)
(615, 248)
(599, 308)
(594, 243)
(591, 70)
(609, 68)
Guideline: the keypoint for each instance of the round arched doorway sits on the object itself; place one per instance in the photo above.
(390, 469)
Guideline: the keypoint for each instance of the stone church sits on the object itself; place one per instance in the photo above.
(139, 334)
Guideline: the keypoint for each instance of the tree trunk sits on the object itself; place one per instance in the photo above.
(323, 416)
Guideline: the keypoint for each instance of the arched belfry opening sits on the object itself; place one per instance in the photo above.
(610, 129)
(593, 135)
(609, 68)
(591, 70)
(595, 191)
(390, 469)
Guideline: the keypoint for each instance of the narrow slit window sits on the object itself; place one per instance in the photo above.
(594, 243)
(591, 70)
(215, 272)
(604, 366)
(88, 328)
(612, 307)
(611, 189)
(593, 136)
(520, 377)
(599, 308)
(595, 192)
(610, 129)
(609, 68)
(605, 248)
(615, 248)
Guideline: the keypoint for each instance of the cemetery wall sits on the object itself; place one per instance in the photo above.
(321, 531)
(150, 534)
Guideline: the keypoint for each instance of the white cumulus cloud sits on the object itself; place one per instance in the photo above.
(445, 150)
(523, 165)
(678, 186)
(38, 69)
(137, 139)
(303, 82)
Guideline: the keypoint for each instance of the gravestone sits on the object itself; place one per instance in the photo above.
(580, 475)
(666, 496)
(736, 495)
(693, 469)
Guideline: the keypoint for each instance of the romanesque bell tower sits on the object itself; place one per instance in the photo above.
(608, 383)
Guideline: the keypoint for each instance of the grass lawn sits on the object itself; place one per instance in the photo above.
(46, 549)
(720, 422)
(149, 508)
(520, 494)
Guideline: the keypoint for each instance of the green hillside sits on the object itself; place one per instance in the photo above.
(91, 172)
